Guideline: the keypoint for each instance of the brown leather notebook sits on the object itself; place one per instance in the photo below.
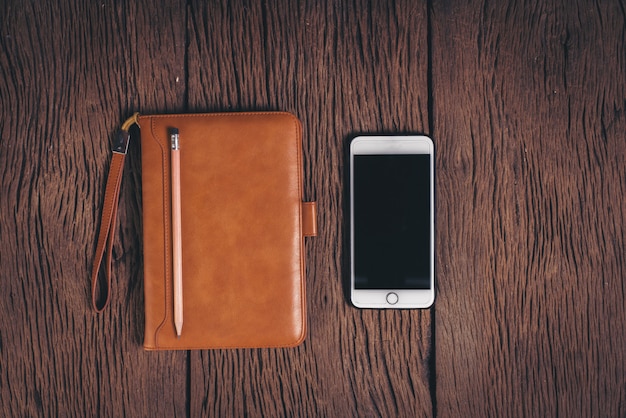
(242, 222)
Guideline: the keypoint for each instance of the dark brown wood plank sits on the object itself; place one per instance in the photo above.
(70, 72)
(342, 69)
(528, 111)
(529, 119)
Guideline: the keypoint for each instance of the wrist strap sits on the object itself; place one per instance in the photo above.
(106, 234)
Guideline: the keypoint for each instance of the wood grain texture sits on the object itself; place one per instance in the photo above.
(70, 72)
(528, 110)
(526, 103)
(342, 69)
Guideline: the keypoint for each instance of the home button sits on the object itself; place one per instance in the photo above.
(392, 298)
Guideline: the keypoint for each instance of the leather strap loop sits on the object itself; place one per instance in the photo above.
(107, 231)
(106, 235)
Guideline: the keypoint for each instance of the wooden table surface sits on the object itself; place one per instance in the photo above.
(526, 104)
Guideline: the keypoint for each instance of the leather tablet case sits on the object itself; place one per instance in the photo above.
(243, 227)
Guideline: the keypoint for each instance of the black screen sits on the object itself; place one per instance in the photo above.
(392, 221)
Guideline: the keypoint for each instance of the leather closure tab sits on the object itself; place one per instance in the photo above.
(309, 219)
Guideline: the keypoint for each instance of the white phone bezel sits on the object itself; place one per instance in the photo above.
(406, 298)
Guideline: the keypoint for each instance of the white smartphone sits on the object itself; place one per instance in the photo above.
(392, 222)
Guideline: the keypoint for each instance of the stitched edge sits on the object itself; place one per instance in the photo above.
(298, 150)
(166, 231)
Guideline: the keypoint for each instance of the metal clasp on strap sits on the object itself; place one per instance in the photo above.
(120, 145)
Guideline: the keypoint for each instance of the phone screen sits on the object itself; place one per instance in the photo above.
(392, 221)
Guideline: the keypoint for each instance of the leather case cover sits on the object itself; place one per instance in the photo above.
(243, 227)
